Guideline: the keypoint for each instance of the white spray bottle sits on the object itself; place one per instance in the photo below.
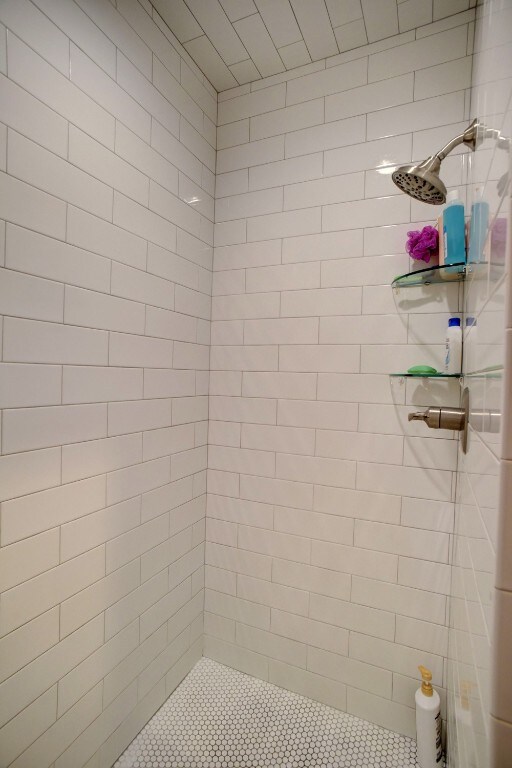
(428, 723)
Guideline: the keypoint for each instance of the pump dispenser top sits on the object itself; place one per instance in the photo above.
(426, 681)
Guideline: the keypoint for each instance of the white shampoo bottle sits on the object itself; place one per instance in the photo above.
(453, 347)
(428, 723)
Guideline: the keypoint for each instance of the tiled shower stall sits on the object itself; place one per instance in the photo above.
(202, 452)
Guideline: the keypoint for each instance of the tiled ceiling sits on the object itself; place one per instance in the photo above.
(237, 41)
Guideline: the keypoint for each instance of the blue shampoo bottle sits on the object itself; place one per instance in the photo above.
(454, 230)
(478, 228)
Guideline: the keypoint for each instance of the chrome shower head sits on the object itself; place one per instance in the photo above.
(422, 181)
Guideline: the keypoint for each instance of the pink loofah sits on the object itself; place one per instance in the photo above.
(423, 245)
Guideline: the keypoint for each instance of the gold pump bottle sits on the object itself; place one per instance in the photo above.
(428, 723)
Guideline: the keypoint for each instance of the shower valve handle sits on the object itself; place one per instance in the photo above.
(447, 418)
(441, 418)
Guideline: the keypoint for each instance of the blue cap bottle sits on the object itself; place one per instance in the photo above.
(453, 349)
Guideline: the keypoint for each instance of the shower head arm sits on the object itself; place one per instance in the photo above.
(467, 137)
(472, 136)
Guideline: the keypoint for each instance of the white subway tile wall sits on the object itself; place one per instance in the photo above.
(329, 515)
(107, 158)
(330, 519)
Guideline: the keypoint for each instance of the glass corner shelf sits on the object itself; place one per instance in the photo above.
(493, 372)
(438, 274)
(406, 375)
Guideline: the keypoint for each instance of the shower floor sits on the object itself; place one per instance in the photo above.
(221, 718)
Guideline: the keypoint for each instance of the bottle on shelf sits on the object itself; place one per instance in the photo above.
(478, 228)
(441, 240)
(454, 233)
(453, 346)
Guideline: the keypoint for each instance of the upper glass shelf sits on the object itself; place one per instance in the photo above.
(437, 274)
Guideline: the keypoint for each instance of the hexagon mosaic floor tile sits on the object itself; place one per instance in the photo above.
(221, 718)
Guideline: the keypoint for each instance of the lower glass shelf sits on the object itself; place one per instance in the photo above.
(406, 375)
(493, 372)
